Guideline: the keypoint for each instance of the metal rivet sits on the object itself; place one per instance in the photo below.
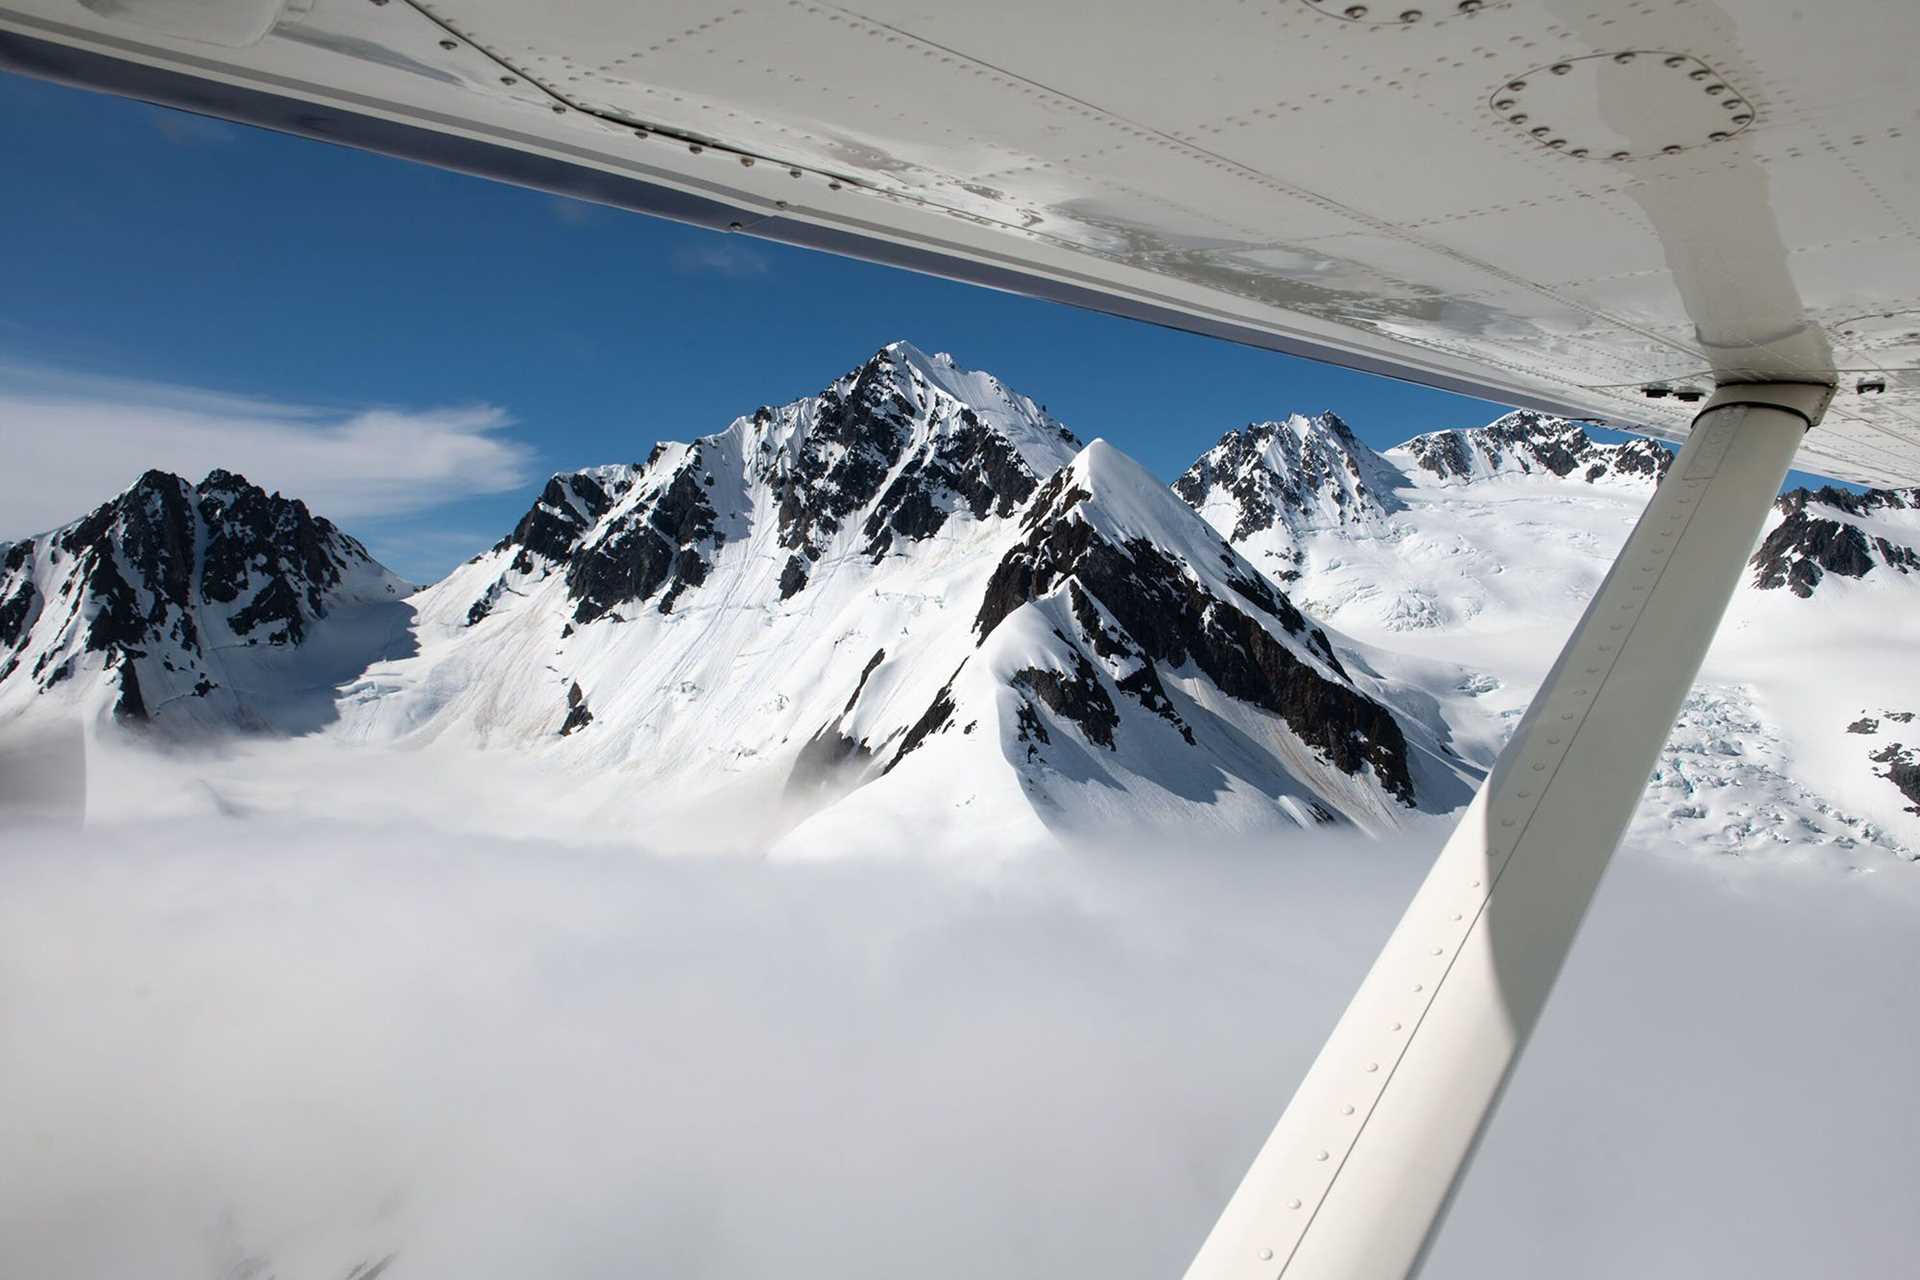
(1266, 1255)
(793, 173)
(1677, 60)
(1699, 73)
(1356, 11)
(1412, 15)
(735, 226)
(1474, 885)
(1579, 153)
(1623, 58)
(1556, 143)
(746, 162)
(1733, 104)
(1623, 155)
(1502, 104)
(1324, 1155)
(1560, 68)
(1670, 151)
(1293, 1204)
(559, 110)
(1516, 85)
(641, 134)
(1539, 768)
(1457, 916)
(694, 148)
(779, 204)
(1716, 89)
(509, 80)
(1471, 6)
(1521, 118)
(1373, 1066)
(833, 186)
(1347, 1110)
(1439, 951)
(1742, 118)
(1718, 136)
(1539, 131)
(449, 44)
(1505, 822)
(1418, 987)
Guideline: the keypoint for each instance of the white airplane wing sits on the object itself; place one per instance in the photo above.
(1566, 204)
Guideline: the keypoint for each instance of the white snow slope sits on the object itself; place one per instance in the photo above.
(1482, 547)
(871, 594)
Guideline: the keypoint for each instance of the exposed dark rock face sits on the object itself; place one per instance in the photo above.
(1865, 724)
(566, 510)
(937, 716)
(879, 656)
(1076, 695)
(1903, 771)
(1169, 617)
(654, 546)
(578, 715)
(1527, 442)
(550, 533)
(975, 465)
(1819, 537)
(147, 564)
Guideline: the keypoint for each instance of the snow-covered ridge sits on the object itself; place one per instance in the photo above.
(1527, 443)
(150, 604)
(1270, 483)
(1816, 532)
(884, 455)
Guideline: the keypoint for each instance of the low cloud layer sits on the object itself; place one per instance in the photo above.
(72, 442)
(301, 1045)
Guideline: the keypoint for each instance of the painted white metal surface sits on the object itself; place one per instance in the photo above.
(1563, 202)
(1359, 1169)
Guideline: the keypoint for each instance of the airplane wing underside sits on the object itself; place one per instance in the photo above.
(1593, 208)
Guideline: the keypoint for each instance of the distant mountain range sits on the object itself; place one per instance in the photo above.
(915, 599)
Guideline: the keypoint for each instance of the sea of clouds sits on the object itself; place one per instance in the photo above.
(301, 1041)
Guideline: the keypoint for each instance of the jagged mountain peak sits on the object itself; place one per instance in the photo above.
(148, 598)
(1870, 535)
(1135, 588)
(879, 460)
(1525, 442)
(1269, 484)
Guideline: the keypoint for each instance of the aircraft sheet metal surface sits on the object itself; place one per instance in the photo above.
(1568, 204)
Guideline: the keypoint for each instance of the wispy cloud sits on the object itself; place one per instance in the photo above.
(185, 129)
(734, 259)
(572, 213)
(70, 441)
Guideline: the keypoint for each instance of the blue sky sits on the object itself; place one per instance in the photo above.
(262, 295)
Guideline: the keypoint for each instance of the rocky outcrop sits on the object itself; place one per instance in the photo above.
(1832, 531)
(1527, 443)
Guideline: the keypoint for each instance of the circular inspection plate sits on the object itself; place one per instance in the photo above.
(1629, 105)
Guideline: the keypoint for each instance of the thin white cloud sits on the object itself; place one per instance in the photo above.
(733, 259)
(183, 128)
(69, 442)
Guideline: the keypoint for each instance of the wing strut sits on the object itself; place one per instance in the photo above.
(1359, 1170)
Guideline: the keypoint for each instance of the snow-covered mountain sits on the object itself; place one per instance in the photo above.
(1269, 485)
(1477, 549)
(912, 598)
(1525, 443)
(210, 605)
